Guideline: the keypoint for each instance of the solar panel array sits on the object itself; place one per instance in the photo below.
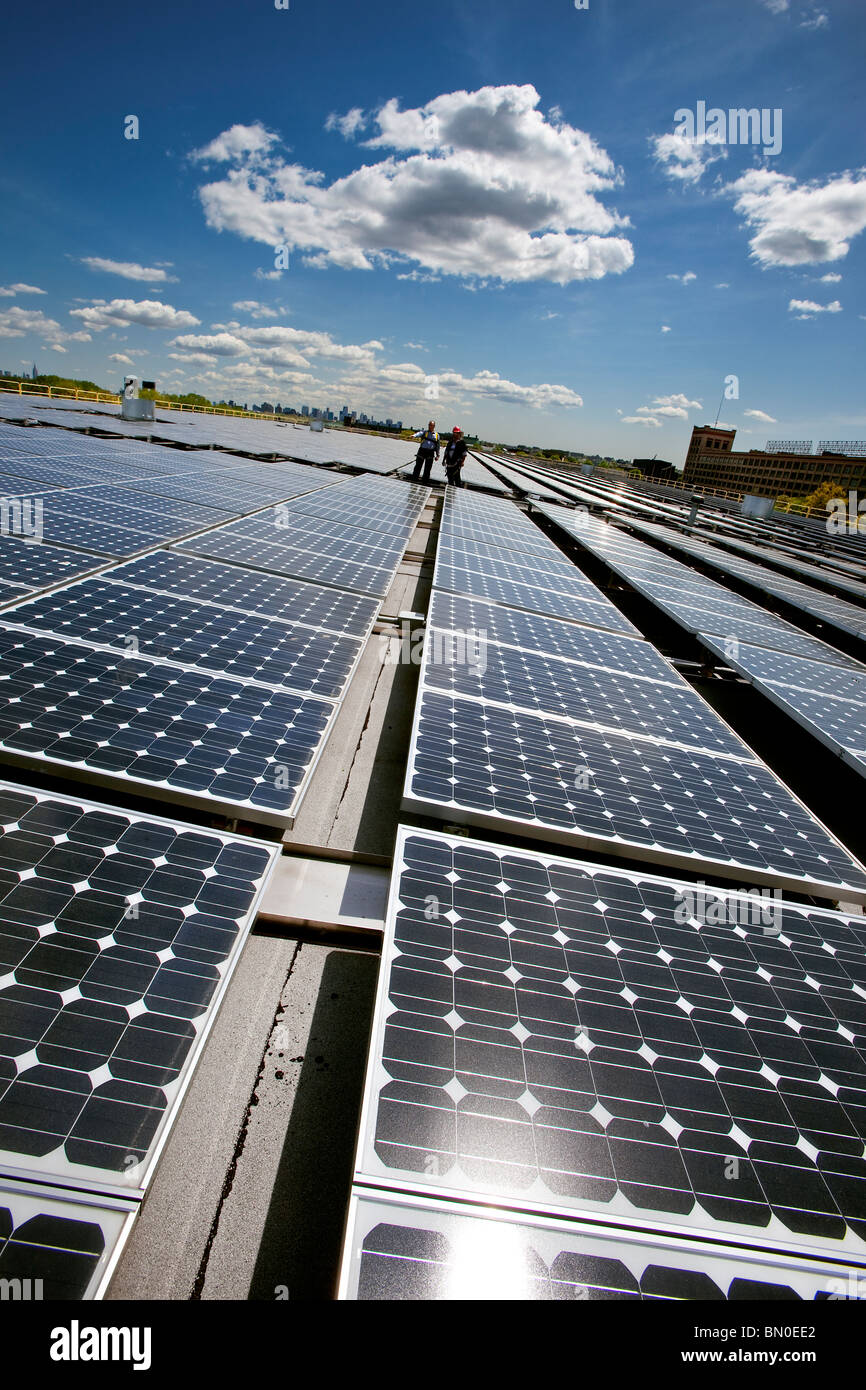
(598, 745)
(778, 558)
(204, 682)
(118, 935)
(210, 679)
(254, 437)
(558, 1041)
(819, 687)
(371, 520)
(839, 613)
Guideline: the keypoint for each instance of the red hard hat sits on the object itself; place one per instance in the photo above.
(457, 430)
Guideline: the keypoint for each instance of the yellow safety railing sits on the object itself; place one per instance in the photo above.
(34, 388)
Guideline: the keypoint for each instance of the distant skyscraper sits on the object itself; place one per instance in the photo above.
(35, 373)
(305, 410)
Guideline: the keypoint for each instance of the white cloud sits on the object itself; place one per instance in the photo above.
(829, 279)
(482, 180)
(762, 416)
(54, 347)
(254, 308)
(807, 308)
(417, 347)
(421, 277)
(248, 142)
(649, 420)
(776, 6)
(268, 274)
(675, 407)
(818, 19)
(685, 158)
(223, 344)
(549, 315)
(149, 313)
(120, 357)
(349, 124)
(129, 270)
(679, 400)
(665, 328)
(684, 279)
(18, 323)
(9, 291)
(722, 285)
(194, 358)
(799, 224)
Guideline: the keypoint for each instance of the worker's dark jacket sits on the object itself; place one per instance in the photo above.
(455, 454)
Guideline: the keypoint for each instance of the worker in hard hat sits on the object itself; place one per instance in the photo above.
(455, 457)
(428, 450)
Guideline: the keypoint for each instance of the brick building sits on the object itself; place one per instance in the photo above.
(711, 461)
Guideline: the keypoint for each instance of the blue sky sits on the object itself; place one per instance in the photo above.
(487, 208)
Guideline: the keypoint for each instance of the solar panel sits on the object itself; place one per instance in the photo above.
(479, 764)
(534, 631)
(345, 570)
(262, 650)
(419, 1249)
(576, 602)
(158, 728)
(531, 681)
(96, 537)
(149, 504)
(699, 604)
(35, 566)
(585, 1041)
(249, 591)
(847, 616)
(289, 528)
(505, 536)
(119, 933)
(783, 668)
(56, 1246)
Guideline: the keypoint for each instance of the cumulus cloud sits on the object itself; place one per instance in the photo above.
(474, 184)
(240, 142)
(674, 407)
(830, 279)
(120, 357)
(685, 279)
(194, 358)
(679, 400)
(347, 125)
(223, 344)
(665, 328)
(19, 323)
(9, 291)
(776, 6)
(762, 416)
(818, 19)
(800, 224)
(685, 158)
(129, 270)
(807, 308)
(253, 307)
(149, 313)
